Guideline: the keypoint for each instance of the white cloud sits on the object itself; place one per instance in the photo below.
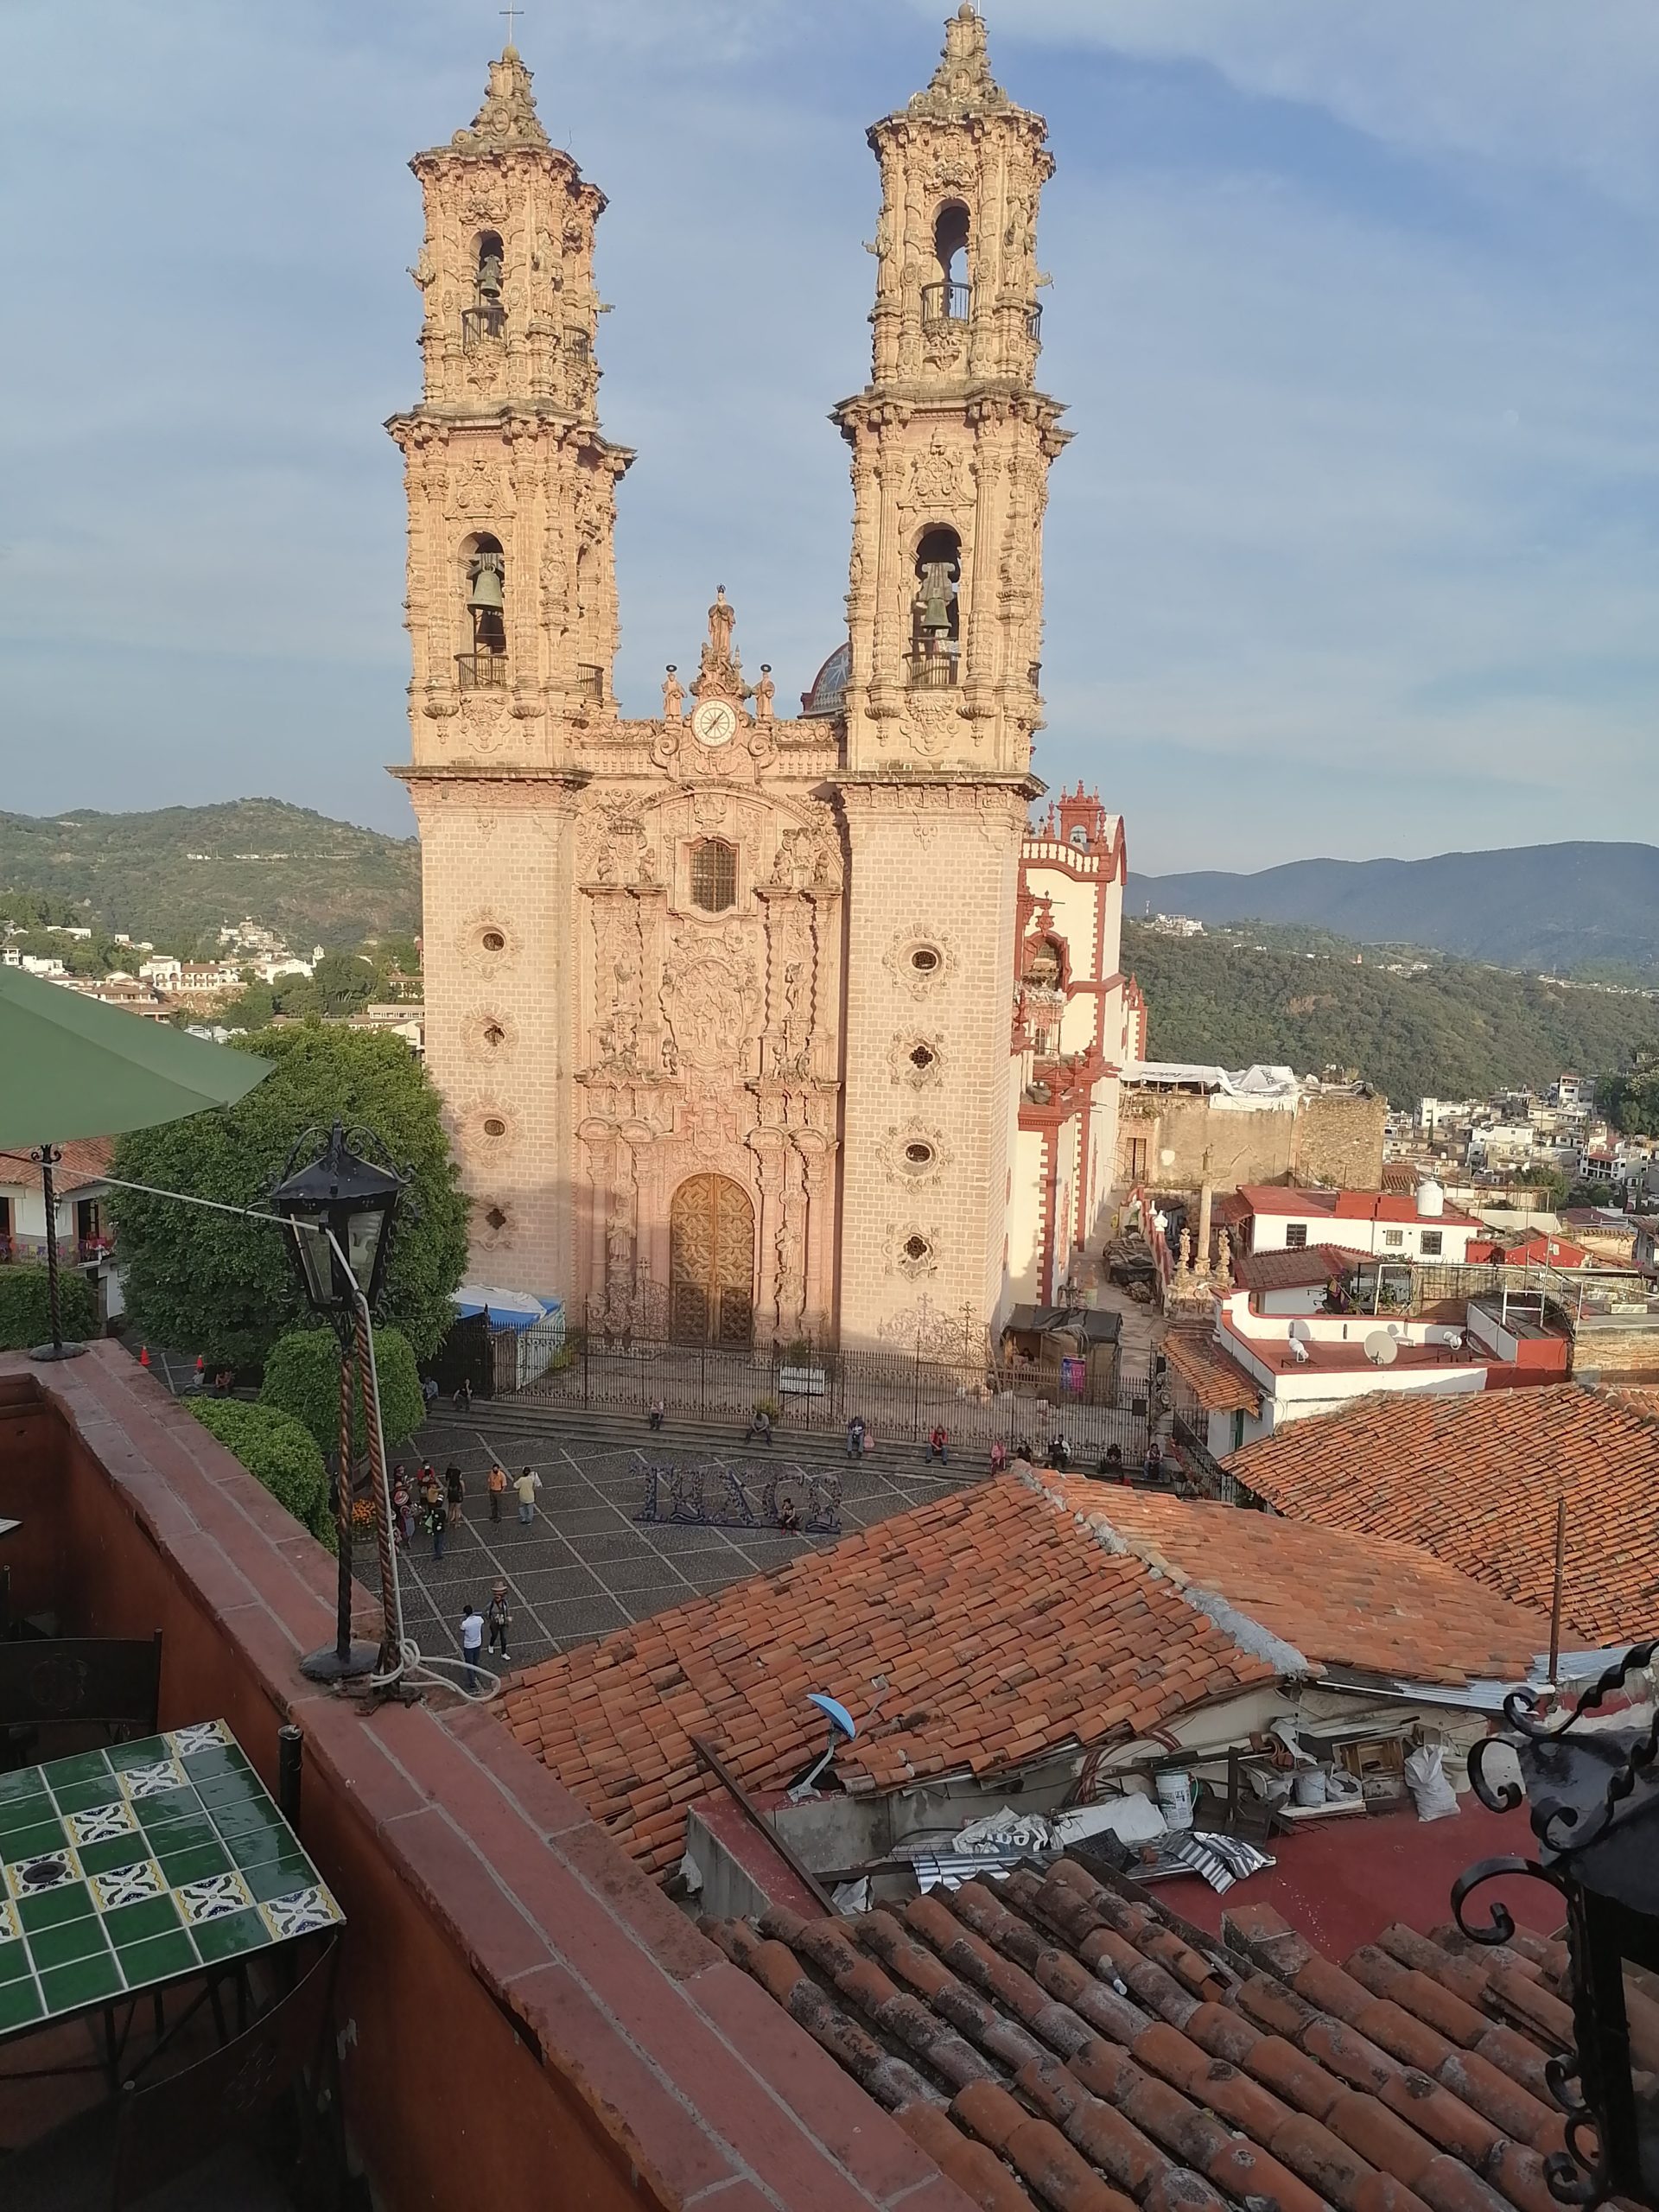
(1536, 82)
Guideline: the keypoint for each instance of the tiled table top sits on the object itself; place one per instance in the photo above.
(121, 1870)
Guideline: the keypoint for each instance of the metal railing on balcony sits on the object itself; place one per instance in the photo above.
(579, 346)
(482, 324)
(590, 685)
(481, 670)
(1034, 324)
(943, 304)
(930, 671)
(72, 1251)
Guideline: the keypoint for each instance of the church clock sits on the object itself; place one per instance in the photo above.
(714, 722)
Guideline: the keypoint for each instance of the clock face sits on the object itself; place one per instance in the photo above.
(714, 722)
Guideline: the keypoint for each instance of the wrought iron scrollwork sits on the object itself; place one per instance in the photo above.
(1562, 1826)
(1501, 1926)
(1500, 1798)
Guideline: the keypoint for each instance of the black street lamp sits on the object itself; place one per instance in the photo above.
(340, 1209)
(1593, 1795)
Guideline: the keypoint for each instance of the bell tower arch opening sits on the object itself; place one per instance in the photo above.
(936, 612)
(483, 660)
(711, 1263)
(950, 297)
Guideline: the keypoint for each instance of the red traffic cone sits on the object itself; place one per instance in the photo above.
(144, 1355)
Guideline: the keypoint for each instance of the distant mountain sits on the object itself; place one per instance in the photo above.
(1574, 909)
(183, 871)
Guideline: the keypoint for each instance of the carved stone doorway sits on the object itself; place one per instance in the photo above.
(711, 1263)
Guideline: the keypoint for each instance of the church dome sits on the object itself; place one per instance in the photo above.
(828, 693)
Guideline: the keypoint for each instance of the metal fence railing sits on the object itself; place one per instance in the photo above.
(895, 1394)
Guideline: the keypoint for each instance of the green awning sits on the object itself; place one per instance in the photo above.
(71, 1067)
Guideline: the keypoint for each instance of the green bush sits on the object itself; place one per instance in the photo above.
(302, 1380)
(277, 1452)
(25, 1314)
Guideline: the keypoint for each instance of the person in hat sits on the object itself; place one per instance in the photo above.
(497, 1615)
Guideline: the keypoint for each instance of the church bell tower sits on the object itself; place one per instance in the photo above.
(950, 444)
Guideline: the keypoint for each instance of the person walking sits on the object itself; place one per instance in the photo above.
(937, 1442)
(471, 1642)
(496, 1482)
(454, 1490)
(657, 1409)
(400, 1507)
(433, 1519)
(429, 1391)
(497, 1615)
(529, 1482)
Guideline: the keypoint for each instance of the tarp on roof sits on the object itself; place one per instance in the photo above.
(507, 1309)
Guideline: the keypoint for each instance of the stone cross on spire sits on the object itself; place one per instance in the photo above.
(962, 83)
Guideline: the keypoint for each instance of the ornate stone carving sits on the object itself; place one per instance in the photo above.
(916, 1153)
(935, 478)
(916, 1059)
(619, 989)
(720, 673)
(476, 943)
(921, 959)
(710, 997)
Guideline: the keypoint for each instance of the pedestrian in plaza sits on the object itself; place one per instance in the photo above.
(1110, 1468)
(433, 1519)
(400, 1517)
(937, 1442)
(529, 1482)
(496, 1482)
(657, 1409)
(471, 1642)
(855, 1438)
(201, 1383)
(497, 1615)
(999, 1456)
(463, 1400)
(454, 1490)
(429, 1391)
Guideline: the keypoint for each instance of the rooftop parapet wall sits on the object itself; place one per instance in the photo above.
(586, 2028)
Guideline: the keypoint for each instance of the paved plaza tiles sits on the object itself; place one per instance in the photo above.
(587, 1564)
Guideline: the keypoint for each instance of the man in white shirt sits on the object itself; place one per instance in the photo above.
(471, 1642)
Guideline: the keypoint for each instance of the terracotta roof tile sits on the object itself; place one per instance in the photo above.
(1475, 1481)
(1016, 1632)
(85, 1161)
(1307, 1270)
(1063, 2093)
(1041, 1611)
(1219, 1384)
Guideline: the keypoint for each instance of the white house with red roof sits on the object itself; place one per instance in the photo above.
(1383, 1225)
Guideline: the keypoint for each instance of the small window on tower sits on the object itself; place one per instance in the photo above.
(1079, 837)
(936, 613)
(713, 875)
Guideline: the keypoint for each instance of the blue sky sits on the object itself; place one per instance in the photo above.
(1353, 307)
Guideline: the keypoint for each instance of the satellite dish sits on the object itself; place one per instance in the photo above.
(1380, 1349)
(837, 1712)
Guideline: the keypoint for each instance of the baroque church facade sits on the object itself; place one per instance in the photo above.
(751, 1028)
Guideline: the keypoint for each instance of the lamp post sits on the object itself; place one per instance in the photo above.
(1593, 1796)
(340, 1209)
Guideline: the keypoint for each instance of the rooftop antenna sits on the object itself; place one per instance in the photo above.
(842, 1729)
(1555, 1593)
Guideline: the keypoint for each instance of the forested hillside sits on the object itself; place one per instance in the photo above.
(178, 873)
(1453, 1031)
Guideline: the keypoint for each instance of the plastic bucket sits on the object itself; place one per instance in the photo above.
(1308, 1788)
(1175, 1799)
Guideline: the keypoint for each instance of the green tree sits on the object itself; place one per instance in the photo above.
(1631, 1101)
(278, 1453)
(205, 1282)
(25, 1311)
(344, 982)
(302, 1379)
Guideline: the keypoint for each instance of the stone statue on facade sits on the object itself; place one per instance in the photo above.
(722, 622)
(673, 695)
(765, 691)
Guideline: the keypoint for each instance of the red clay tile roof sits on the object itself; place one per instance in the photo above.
(1361, 1602)
(85, 1161)
(1056, 2043)
(1475, 1480)
(1219, 1384)
(1315, 1264)
(1002, 1627)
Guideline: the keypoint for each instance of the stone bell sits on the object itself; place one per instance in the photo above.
(485, 596)
(489, 276)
